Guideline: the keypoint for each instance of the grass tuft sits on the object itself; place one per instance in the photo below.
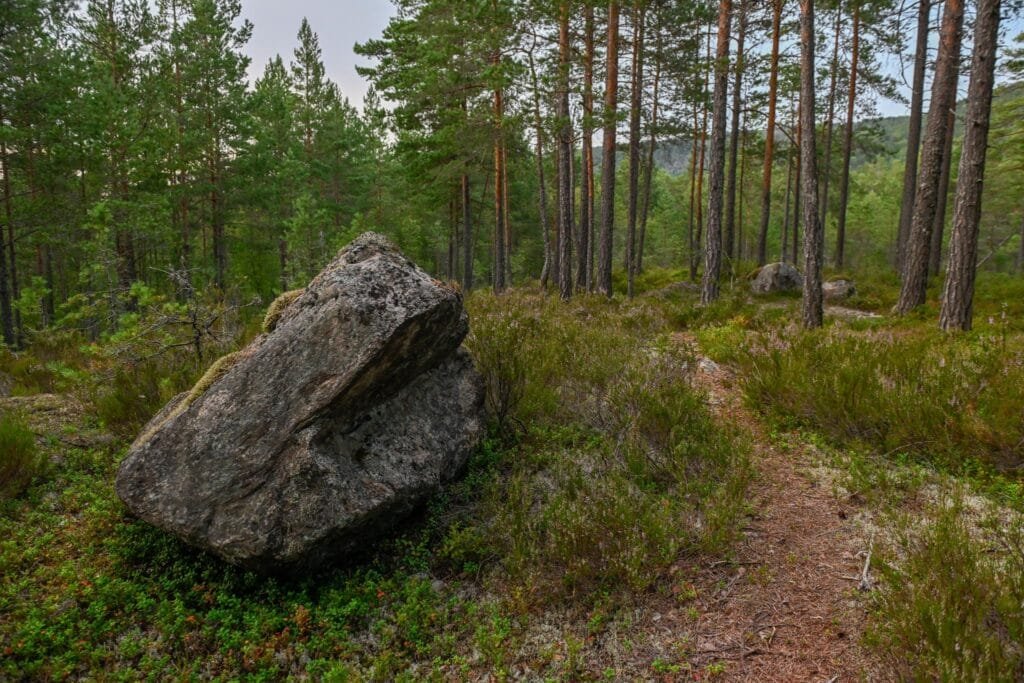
(952, 604)
(953, 401)
(621, 467)
(20, 459)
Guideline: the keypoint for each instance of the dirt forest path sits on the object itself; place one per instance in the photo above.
(788, 608)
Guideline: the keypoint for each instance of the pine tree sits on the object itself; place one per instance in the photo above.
(914, 131)
(716, 188)
(769, 145)
(604, 268)
(851, 101)
(729, 236)
(944, 87)
(216, 102)
(636, 101)
(958, 295)
(565, 155)
(814, 243)
(271, 164)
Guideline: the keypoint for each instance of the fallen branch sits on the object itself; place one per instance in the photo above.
(865, 580)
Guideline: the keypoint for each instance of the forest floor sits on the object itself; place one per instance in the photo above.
(790, 606)
(690, 494)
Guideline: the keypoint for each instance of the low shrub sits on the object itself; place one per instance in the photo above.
(135, 393)
(24, 374)
(20, 458)
(951, 606)
(621, 467)
(955, 401)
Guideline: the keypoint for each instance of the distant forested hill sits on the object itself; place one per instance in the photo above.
(885, 136)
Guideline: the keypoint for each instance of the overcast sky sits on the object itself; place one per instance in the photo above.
(339, 23)
(343, 23)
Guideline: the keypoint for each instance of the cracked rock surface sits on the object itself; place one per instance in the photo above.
(325, 432)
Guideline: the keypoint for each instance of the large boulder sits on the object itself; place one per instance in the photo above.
(323, 433)
(777, 277)
(838, 290)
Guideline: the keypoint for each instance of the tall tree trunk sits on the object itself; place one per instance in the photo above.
(453, 235)
(604, 271)
(958, 295)
(844, 183)
(282, 257)
(814, 243)
(694, 200)
(915, 276)
(826, 172)
(740, 232)
(695, 254)
(648, 167)
(769, 143)
(467, 236)
(636, 94)
(729, 236)
(565, 155)
(499, 185)
(935, 249)
(6, 308)
(585, 257)
(508, 220)
(220, 257)
(542, 193)
(556, 262)
(798, 188)
(789, 197)
(49, 306)
(924, 9)
(700, 190)
(713, 249)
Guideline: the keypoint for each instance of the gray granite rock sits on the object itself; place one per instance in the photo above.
(777, 277)
(326, 431)
(838, 290)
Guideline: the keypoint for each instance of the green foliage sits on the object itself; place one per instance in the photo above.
(954, 401)
(20, 459)
(951, 605)
(619, 471)
(155, 353)
(134, 394)
(622, 467)
(217, 370)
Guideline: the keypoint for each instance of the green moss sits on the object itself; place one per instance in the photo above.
(219, 368)
(215, 372)
(277, 309)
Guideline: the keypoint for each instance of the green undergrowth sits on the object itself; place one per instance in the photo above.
(955, 402)
(948, 566)
(623, 466)
(952, 603)
(925, 430)
(603, 470)
(20, 458)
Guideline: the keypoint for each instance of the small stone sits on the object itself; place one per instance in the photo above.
(707, 365)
